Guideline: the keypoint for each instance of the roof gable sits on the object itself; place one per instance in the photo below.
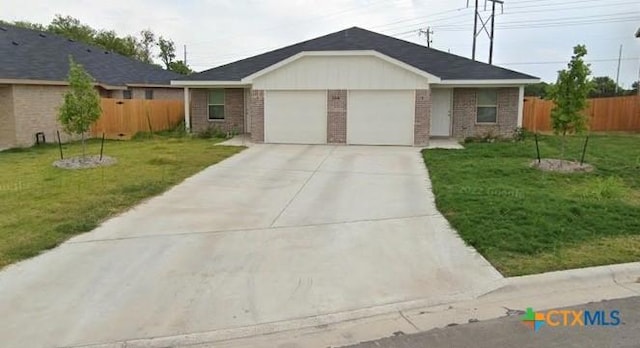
(368, 53)
(34, 55)
(441, 64)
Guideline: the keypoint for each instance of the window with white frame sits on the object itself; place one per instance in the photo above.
(487, 109)
(216, 104)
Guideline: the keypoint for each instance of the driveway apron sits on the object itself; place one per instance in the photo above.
(276, 233)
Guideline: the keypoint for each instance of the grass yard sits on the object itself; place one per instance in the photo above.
(526, 221)
(41, 206)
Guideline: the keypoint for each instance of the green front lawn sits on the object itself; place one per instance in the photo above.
(526, 221)
(41, 206)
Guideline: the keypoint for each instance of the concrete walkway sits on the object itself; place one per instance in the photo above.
(275, 238)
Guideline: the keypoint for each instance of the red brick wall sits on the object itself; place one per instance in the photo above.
(337, 116)
(465, 109)
(422, 117)
(256, 109)
(233, 109)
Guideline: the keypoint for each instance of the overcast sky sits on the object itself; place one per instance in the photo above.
(532, 36)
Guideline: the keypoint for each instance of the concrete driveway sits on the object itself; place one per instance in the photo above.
(277, 237)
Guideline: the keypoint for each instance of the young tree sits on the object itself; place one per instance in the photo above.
(570, 96)
(81, 106)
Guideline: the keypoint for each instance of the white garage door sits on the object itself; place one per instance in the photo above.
(380, 117)
(295, 117)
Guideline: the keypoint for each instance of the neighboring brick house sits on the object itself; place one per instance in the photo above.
(356, 87)
(33, 69)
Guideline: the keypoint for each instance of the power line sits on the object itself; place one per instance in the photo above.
(461, 24)
(565, 62)
(322, 17)
(549, 22)
(556, 4)
(608, 5)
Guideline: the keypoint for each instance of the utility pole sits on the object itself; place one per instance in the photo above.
(428, 33)
(478, 18)
(185, 54)
(493, 14)
(475, 29)
(618, 73)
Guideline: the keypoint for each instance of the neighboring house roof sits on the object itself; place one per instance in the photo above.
(444, 65)
(34, 55)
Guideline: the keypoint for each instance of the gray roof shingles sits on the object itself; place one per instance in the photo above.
(34, 55)
(444, 65)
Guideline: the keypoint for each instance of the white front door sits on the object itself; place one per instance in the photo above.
(380, 117)
(441, 112)
(295, 117)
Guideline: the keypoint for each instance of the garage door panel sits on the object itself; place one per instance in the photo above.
(380, 117)
(295, 117)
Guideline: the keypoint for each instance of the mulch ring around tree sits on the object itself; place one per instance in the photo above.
(84, 163)
(561, 166)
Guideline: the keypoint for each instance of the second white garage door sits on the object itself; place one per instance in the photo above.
(295, 117)
(380, 117)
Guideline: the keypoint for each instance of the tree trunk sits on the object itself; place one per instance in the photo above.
(83, 147)
(563, 146)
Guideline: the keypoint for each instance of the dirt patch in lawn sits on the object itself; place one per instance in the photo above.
(561, 166)
(85, 162)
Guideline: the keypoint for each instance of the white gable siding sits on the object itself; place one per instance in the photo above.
(340, 72)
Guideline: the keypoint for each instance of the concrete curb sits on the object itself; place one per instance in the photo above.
(316, 322)
(540, 291)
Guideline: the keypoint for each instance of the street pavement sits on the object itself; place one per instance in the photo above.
(511, 332)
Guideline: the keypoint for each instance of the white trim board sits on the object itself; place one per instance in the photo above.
(482, 83)
(205, 84)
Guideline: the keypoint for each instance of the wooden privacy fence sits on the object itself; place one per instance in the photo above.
(123, 118)
(605, 114)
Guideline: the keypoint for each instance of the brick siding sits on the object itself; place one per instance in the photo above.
(158, 93)
(465, 111)
(337, 116)
(256, 109)
(28, 109)
(422, 117)
(233, 110)
(36, 110)
(7, 119)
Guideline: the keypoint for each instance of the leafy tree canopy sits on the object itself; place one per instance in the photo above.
(604, 86)
(140, 48)
(536, 90)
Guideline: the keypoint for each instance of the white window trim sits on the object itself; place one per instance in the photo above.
(486, 106)
(223, 104)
